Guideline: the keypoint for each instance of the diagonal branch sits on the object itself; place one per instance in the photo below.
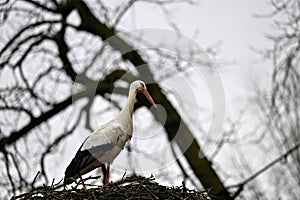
(63, 50)
(241, 185)
(104, 86)
(23, 30)
(39, 5)
(36, 121)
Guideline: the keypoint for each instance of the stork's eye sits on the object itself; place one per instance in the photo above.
(143, 85)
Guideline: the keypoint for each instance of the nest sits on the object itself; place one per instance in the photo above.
(128, 188)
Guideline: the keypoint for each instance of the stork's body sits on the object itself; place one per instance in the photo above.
(105, 144)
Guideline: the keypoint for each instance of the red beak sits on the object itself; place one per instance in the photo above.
(148, 96)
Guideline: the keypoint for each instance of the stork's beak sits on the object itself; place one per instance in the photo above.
(148, 96)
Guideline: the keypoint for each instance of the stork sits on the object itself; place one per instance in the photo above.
(104, 144)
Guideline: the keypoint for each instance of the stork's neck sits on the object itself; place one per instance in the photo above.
(127, 111)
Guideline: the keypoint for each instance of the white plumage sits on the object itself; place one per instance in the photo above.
(105, 144)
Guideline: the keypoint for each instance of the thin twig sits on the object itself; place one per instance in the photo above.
(241, 185)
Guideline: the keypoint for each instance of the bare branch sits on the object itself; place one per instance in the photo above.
(284, 156)
(39, 5)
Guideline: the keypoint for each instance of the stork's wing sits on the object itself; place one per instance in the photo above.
(84, 159)
(92, 149)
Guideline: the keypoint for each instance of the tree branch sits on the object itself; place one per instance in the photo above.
(43, 7)
(104, 86)
(284, 156)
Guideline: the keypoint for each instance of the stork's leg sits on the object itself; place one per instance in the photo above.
(104, 173)
(82, 182)
(107, 175)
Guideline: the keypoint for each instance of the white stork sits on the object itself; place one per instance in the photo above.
(104, 144)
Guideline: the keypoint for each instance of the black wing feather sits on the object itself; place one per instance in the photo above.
(83, 158)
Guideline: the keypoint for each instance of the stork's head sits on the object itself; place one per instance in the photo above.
(140, 86)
